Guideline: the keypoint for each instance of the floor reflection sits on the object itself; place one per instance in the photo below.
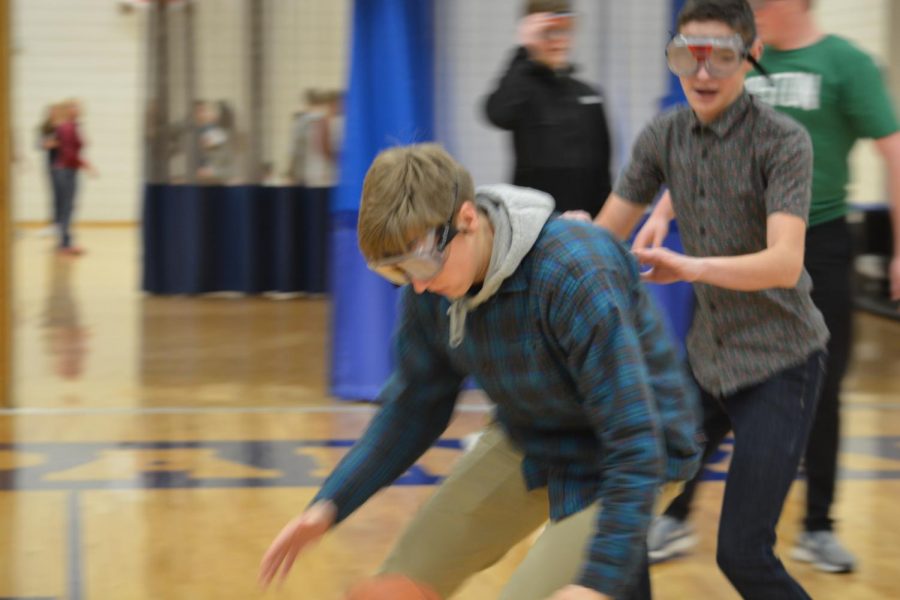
(64, 334)
(86, 336)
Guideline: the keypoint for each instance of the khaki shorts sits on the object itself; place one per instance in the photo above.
(478, 514)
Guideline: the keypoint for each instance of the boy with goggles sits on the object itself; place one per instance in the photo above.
(593, 410)
(836, 92)
(423, 262)
(739, 177)
(426, 258)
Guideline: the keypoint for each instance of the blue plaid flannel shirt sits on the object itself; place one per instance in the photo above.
(586, 381)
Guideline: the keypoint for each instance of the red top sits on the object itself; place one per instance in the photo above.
(68, 154)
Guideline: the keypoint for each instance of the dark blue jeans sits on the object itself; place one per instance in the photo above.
(771, 423)
(829, 260)
(54, 193)
(66, 187)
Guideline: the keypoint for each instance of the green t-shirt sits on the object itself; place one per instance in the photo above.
(835, 90)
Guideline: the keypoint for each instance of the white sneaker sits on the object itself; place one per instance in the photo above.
(668, 537)
(824, 551)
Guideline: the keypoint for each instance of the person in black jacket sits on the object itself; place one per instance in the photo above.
(560, 136)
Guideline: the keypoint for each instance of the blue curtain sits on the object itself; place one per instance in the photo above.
(389, 102)
(248, 238)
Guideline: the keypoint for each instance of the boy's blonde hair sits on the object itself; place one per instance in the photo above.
(407, 191)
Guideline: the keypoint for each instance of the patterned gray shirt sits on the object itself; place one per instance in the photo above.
(725, 178)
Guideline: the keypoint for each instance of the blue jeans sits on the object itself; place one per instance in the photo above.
(54, 193)
(829, 261)
(66, 185)
(771, 423)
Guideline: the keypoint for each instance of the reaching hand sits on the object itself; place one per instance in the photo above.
(531, 30)
(296, 535)
(547, 38)
(578, 592)
(667, 266)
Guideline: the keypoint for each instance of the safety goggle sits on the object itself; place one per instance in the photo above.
(561, 26)
(720, 56)
(423, 262)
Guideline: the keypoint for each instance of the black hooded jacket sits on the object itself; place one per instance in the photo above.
(560, 134)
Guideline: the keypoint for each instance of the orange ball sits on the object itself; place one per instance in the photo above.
(391, 587)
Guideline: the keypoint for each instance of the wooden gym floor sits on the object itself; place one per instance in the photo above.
(156, 445)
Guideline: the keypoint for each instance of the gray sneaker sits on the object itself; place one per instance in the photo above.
(824, 551)
(668, 537)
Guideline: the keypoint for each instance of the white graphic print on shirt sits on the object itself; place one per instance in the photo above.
(791, 90)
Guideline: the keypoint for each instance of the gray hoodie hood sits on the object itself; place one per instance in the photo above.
(518, 215)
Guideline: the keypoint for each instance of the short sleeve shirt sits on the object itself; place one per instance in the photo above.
(836, 91)
(725, 178)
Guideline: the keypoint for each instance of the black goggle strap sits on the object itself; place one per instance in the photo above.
(445, 236)
(448, 230)
(761, 69)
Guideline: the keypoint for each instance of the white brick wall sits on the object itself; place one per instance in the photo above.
(867, 24)
(863, 21)
(635, 72)
(306, 45)
(87, 50)
(308, 42)
(473, 43)
(90, 50)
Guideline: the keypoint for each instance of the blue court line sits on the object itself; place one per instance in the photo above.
(283, 463)
(74, 548)
(363, 408)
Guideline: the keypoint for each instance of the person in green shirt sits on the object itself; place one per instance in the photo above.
(836, 92)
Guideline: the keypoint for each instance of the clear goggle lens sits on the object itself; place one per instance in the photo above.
(422, 263)
(721, 57)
